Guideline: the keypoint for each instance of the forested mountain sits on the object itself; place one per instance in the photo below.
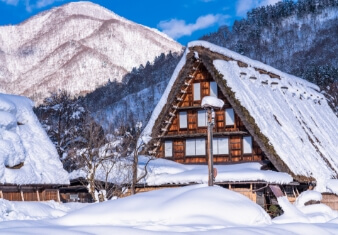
(76, 47)
(299, 38)
(117, 104)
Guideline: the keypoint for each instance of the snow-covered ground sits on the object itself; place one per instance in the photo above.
(197, 209)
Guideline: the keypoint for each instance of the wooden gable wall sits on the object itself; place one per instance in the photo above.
(184, 130)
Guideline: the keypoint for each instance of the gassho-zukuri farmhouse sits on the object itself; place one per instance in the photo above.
(274, 128)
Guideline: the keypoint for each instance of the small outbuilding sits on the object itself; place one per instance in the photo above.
(30, 168)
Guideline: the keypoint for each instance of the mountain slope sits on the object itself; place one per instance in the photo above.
(78, 47)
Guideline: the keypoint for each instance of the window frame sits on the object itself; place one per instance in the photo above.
(183, 120)
(195, 145)
(200, 113)
(215, 145)
(211, 92)
(166, 149)
(197, 95)
(245, 145)
(233, 117)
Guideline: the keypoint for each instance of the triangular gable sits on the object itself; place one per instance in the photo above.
(288, 118)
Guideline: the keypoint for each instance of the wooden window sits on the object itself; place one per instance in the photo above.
(195, 147)
(190, 147)
(229, 117)
(213, 89)
(168, 148)
(197, 91)
(220, 145)
(202, 118)
(200, 146)
(247, 145)
(183, 119)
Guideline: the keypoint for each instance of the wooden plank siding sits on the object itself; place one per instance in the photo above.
(45, 195)
(30, 196)
(12, 196)
(187, 105)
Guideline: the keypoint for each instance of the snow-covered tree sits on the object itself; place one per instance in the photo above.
(62, 117)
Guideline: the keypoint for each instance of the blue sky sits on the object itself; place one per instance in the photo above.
(183, 20)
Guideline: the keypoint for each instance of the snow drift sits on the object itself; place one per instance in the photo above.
(196, 205)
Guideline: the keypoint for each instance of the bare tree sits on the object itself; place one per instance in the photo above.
(136, 143)
(110, 164)
(96, 151)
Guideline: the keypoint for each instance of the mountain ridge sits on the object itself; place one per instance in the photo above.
(76, 47)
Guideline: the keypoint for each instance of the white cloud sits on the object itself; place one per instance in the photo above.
(43, 3)
(243, 6)
(30, 5)
(178, 28)
(11, 2)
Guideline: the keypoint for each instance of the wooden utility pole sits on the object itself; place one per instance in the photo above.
(209, 103)
(211, 121)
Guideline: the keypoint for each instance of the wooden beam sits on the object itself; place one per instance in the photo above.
(58, 195)
(38, 195)
(1, 194)
(192, 135)
(189, 107)
(22, 197)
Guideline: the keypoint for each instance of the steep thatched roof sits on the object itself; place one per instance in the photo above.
(287, 116)
(27, 155)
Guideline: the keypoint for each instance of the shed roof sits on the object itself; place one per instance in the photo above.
(287, 116)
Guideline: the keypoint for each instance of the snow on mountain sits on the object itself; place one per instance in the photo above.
(78, 47)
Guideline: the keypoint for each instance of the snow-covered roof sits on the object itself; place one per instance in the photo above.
(27, 156)
(287, 116)
(165, 172)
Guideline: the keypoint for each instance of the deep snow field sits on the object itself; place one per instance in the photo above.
(196, 209)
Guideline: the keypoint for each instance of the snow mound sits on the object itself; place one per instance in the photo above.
(197, 205)
(24, 142)
(30, 211)
(317, 213)
(307, 196)
(162, 171)
(210, 101)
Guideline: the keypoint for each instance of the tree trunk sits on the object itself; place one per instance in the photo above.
(91, 182)
(134, 182)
